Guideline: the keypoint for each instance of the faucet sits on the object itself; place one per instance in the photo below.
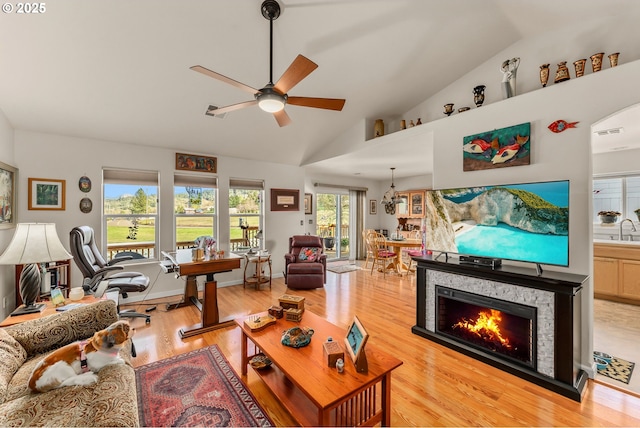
(633, 227)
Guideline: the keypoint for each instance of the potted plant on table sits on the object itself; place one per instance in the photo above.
(327, 237)
(609, 217)
(637, 213)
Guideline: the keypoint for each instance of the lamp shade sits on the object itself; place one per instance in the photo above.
(34, 243)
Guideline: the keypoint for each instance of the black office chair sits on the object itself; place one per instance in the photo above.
(99, 276)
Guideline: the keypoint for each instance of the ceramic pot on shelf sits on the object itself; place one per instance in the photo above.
(562, 73)
(478, 95)
(448, 109)
(579, 66)
(613, 59)
(544, 74)
(596, 61)
(378, 128)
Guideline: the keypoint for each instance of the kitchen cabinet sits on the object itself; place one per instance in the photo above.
(616, 271)
(402, 208)
(411, 204)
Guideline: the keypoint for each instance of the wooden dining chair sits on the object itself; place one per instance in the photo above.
(382, 256)
(366, 238)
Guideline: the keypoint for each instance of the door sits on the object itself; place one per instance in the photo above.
(332, 223)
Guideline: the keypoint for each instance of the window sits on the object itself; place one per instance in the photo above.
(130, 213)
(194, 208)
(620, 194)
(246, 214)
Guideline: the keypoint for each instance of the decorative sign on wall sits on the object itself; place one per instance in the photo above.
(499, 148)
(187, 162)
(285, 200)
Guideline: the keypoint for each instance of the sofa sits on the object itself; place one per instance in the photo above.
(112, 401)
(305, 263)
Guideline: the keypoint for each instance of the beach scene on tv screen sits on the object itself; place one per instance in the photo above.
(524, 222)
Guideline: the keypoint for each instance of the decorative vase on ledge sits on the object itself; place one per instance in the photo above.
(378, 128)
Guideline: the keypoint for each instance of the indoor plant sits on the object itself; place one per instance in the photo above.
(609, 216)
(637, 213)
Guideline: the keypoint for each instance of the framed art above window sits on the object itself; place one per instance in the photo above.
(46, 194)
(8, 205)
(285, 200)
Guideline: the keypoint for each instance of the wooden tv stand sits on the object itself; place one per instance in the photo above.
(314, 393)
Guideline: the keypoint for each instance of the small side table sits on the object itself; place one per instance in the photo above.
(260, 261)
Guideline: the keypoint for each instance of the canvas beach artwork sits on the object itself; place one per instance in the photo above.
(504, 147)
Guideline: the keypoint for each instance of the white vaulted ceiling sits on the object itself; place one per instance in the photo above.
(118, 70)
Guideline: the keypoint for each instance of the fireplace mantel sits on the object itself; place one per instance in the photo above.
(558, 293)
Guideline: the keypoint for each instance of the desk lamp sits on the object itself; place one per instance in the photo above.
(32, 244)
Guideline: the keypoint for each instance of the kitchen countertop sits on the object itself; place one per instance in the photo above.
(616, 242)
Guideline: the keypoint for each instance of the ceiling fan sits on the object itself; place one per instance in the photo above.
(273, 97)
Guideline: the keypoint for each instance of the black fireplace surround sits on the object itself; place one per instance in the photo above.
(568, 378)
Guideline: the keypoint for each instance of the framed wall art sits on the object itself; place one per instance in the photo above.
(499, 148)
(373, 207)
(186, 162)
(8, 204)
(285, 200)
(308, 203)
(46, 194)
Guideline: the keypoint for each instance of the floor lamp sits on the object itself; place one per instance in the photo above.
(32, 244)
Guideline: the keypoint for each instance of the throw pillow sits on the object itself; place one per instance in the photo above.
(308, 254)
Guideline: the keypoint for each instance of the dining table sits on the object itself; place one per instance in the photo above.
(396, 246)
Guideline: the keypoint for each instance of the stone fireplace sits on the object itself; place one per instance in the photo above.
(511, 318)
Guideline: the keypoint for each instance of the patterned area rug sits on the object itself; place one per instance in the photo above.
(342, 268)
(618, 369)
(198, 388)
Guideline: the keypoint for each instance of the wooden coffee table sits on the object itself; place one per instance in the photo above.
(315, 394)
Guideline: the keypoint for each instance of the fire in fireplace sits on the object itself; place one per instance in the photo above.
(495, 327)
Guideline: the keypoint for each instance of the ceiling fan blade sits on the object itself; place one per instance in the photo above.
(326, 103)
(282, 118)
(225, 79)
(300, 68)
(212, 111)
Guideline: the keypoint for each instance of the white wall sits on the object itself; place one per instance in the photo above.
(68, 158)
(618, 162)
(7, 273)
(565, 155)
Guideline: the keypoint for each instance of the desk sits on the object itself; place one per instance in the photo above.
(397, 246)
(48, 310)
(314, 393)
(181, 259)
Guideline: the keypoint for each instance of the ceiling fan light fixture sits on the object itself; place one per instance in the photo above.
(271, 103)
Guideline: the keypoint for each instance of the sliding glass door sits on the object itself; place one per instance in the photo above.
(332, 223)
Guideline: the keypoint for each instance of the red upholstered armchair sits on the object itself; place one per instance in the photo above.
(306, 263)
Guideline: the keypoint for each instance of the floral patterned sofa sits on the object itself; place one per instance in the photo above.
(112, 401)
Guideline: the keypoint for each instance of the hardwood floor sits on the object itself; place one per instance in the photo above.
(435, 386)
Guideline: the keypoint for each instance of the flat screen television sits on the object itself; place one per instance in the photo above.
(526, 222)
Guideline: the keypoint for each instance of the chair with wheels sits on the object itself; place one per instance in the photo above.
(101, 276)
